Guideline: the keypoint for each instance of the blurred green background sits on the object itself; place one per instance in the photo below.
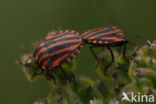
(26, 21)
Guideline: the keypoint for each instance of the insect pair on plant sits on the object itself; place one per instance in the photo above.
(61, 47)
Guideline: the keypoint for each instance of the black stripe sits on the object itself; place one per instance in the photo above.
(43, 53)
(111, 35)
(58, 41)
(109, 28)
(65, 33)
(74, 52)
(52, 58)
(93, 30)
(56, 57)
(62, 40)
(70, 56)
(42, 61)
(57, 48)
(55, 34)
(105, 31)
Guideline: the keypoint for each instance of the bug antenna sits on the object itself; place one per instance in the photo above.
(23, 48)
(135, 37)
(133, 44)
(34, 43)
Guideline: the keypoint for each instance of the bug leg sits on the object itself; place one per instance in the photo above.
(112, 55)
(34, 54)
(119, 48)
(93, 53)
(68, 79)
(62, 70)
(40, 73)
(124, 50)
(50, 76)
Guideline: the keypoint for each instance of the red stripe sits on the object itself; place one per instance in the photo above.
(58, 52)
(56, 44)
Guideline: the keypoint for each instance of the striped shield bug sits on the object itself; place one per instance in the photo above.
(107, 36)
(56, 49)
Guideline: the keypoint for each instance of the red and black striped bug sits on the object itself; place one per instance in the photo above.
(107, 36)
(56, 49)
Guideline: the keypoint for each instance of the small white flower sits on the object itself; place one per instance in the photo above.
(95, 101)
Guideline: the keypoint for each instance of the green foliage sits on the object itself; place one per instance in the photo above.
(134, 74)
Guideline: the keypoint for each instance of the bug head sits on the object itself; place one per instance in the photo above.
(26, 60)
(28, 64)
